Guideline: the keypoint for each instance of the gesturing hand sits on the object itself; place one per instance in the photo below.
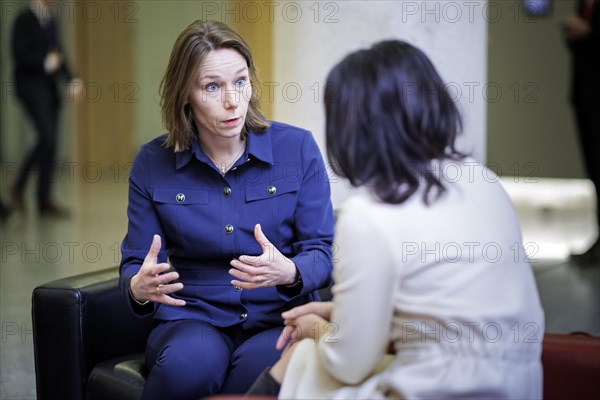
(151, 283)
(267, 269)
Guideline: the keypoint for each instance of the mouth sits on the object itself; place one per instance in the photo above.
(232, 121)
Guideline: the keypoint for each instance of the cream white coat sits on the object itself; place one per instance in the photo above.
(449, 286)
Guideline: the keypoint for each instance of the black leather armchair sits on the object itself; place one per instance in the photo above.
(87, 343)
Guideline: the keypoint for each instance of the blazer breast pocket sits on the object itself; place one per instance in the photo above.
(184, 214)
(273, 204)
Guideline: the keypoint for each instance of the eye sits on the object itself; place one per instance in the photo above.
(240, 82)
(211, 87)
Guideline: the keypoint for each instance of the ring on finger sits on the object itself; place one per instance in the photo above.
(158, 290)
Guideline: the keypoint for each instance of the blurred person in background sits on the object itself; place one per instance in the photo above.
(39, 67)
(582, 32)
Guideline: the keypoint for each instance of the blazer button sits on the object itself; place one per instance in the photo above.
(271, 190)
(227, 191)
(243, 315)
(229, 229)
(180, 198)
(237, 288)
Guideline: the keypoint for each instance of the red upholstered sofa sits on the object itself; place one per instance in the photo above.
(87, 345)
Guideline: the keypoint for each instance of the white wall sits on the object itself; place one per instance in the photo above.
(308, 43)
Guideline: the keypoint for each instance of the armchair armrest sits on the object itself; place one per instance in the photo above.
(571, 366)
(78, 322)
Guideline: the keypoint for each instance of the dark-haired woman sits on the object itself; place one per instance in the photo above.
(430, 265)
(230, 223)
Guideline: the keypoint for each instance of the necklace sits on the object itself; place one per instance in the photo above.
(224, 167)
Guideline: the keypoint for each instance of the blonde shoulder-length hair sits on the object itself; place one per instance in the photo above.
(190, 49)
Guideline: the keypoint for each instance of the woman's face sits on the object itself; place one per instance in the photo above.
(220, 95)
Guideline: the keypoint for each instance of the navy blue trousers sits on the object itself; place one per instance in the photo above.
(191, 359)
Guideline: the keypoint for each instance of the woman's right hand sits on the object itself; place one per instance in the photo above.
(152, 283)
(321, 308)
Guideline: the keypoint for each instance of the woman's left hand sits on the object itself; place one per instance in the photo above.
(307, 326)
(270, 268)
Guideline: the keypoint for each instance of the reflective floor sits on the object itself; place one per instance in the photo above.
(557, 218)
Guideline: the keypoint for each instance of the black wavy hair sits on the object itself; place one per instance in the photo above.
(388, 117)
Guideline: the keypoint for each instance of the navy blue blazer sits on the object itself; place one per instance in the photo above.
(206, 219)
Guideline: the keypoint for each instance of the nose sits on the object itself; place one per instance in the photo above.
(232, 98)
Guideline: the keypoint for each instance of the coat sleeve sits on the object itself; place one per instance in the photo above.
(364, 283)
(143, 224)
